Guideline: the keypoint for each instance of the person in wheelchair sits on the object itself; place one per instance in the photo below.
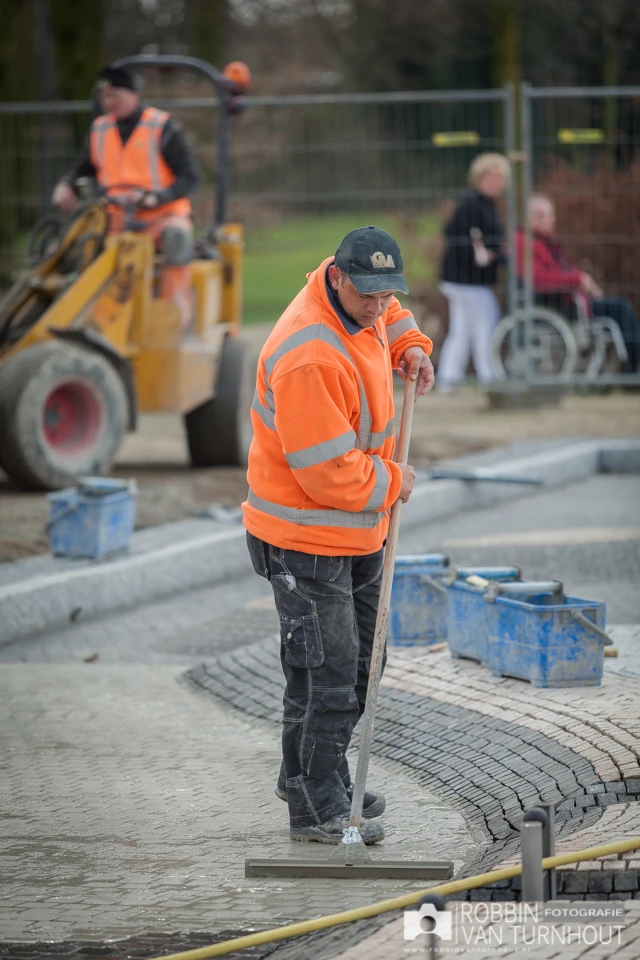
(140, 154)
(562, 286)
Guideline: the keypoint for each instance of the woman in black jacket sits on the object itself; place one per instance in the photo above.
(469, 272)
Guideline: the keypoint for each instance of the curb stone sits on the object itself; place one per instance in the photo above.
(43, 593)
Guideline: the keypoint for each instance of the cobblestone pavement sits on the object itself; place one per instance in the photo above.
(616, 872)
(123, 811)
(490, 940)
(123, 762)
(492, 746)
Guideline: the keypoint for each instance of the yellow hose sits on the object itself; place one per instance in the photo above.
(398, 903)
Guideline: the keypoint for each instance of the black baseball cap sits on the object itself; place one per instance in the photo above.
(117, 77)
(372, 261)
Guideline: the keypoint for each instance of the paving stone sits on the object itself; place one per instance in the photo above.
(576, 882)
(479, 896)
(607, 799)
(599, 882)
(596, 788)
(616, 786)
(626, 881)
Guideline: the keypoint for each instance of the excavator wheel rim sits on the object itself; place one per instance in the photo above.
(73, 416)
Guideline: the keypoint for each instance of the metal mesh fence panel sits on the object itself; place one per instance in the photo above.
(584, 150)
(304, 171)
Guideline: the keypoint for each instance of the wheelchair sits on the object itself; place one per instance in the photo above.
(556, 345)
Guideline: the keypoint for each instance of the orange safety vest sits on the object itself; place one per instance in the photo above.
(321, 472)
(139, 162)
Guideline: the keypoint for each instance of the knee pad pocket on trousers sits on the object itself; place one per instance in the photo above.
(334, 714)
(336, 700)
(177, 247)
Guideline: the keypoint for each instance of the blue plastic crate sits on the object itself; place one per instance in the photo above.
(467, 625)
(95, 520)
(417, 614)
(540, 640)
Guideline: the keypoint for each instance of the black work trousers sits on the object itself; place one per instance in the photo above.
(327, 608)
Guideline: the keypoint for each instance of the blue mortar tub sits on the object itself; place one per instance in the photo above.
(539, 640)
(418, 615)
(94, 520)
(467, 624)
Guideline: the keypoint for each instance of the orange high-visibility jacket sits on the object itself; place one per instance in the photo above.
(321, 474)
(139, 163)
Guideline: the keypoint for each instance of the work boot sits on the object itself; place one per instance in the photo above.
(333, 831)
(373, 806)
(374, 803)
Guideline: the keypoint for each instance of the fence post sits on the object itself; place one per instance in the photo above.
(510, 144)
(527, 180)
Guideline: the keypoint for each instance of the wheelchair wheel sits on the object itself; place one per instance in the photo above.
(602, 358)
(552, 349)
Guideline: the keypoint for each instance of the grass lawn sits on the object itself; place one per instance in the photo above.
(277, 259)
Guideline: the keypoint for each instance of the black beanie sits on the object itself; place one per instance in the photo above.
(117, 77)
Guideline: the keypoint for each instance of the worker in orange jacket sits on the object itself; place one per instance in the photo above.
(140, 154)
(322, 480)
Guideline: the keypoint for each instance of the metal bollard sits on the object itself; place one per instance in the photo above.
(548, 850)
(437, 902)
(531, 853)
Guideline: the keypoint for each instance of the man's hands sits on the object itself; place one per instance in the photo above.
(408, 480)
(417, 364)
(64, 197)
(589, 287)
(147, 199)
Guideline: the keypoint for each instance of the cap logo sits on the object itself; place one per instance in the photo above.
(378, 259)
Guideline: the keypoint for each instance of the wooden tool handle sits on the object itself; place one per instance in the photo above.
(406, 420)
(380, 635)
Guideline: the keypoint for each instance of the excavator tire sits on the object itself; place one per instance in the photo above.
(219, 431)
(63, 413)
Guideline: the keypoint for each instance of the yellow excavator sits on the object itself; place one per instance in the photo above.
(86, 344)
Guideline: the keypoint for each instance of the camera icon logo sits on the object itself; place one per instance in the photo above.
(438, 922)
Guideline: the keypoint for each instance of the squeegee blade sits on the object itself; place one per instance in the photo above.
(391, 869)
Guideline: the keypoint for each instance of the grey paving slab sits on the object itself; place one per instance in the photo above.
(579, 522)
(193, 625)
(129, 805)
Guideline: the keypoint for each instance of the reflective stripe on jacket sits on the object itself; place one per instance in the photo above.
(321, 474)
(137, 163)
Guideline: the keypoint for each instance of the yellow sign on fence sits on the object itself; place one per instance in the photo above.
(456, 138)
(588, 135)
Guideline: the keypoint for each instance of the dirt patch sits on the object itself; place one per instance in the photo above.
(445, 425)
(450, 425)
